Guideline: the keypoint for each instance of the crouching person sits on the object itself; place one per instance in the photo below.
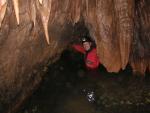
(91, 59)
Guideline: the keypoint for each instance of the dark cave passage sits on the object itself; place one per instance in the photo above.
(67, 88)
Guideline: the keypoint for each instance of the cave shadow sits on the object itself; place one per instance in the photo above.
(63, 83)
(67, 78)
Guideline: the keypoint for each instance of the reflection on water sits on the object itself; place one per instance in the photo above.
(90, 95)
(68, 88)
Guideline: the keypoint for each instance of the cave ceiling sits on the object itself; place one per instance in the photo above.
(120, 28)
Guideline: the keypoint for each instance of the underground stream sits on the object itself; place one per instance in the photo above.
(68, 88)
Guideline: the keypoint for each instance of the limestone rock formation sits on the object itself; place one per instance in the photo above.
(32, 32)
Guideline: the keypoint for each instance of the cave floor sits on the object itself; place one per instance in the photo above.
(70, 89)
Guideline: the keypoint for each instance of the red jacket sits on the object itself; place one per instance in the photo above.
(91, 58)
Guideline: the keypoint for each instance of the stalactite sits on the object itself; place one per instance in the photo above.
(110, 23)
(120, 28)
(41, 1)
(3, 6)
(77, 11)
(45, 10)
(124, 14)
(87, 6)
(32, 11)
(16, 7)
(103, 27)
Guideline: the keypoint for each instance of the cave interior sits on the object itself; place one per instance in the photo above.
(35, 34)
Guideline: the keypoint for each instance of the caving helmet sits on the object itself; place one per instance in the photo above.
(86, 39)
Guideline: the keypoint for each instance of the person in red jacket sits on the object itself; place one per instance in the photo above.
(90, 55)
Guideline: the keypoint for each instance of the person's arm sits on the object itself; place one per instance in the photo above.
(92, 60)
(78, 48)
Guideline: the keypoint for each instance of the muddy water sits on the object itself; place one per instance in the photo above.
(69, 88)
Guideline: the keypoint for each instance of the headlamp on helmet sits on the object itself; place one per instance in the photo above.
(85, 39)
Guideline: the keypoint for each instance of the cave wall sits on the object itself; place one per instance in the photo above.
(33, 32)
(140, 51)
(121, 31)
(24, 50)
(112, 26)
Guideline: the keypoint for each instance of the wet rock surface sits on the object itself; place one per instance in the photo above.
(33, 32)
(66, 91)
